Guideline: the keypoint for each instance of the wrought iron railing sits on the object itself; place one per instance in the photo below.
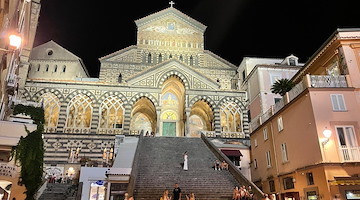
(350, 154)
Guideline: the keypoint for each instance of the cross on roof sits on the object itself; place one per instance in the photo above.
(171, 3)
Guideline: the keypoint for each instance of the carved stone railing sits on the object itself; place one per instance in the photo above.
(212, 134)
(232, 135)
(49, 129)
(134, 132)
(267, 114)
(209, 133)
(114, 131)
(76, 130)
(280, 104)
(321, 81)
(255, 123)
(296, 90)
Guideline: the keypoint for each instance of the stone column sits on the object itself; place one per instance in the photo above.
(127, 119)
(187, 114)
(217, 121)
(95, 119)
(62, 117)
(158, 112)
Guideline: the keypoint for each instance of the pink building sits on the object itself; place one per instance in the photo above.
(307, 145)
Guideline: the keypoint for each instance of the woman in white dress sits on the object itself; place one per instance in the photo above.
(185, 161)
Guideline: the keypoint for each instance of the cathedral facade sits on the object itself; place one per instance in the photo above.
(167, 85)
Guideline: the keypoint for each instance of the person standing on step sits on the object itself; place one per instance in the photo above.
(185, 161)
(176, 192)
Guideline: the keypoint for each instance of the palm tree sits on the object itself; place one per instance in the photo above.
(282, 86)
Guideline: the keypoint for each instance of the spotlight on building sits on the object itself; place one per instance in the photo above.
(327, 133)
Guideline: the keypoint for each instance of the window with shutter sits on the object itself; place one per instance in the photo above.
(284, 152)
(338, 102)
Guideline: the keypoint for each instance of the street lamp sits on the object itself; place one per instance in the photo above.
(15, 41)
(327, 133)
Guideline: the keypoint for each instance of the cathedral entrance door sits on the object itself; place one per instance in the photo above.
(169, 129)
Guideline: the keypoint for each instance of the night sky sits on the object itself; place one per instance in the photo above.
(235, 28)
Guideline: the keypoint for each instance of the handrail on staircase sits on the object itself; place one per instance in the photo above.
(135, 167)
(232, 168)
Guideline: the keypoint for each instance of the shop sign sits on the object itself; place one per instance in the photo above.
(7, 170)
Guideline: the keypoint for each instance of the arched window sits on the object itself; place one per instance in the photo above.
(55, 69)
(160, 58)
(170, 56)
(191, 61)
(149, 58)
(47, 68)
(51, 105)
(38, 67)
(64, 68)
(120, 78)
(181, 57)
(79, 112)
(231, 117)
(111, 113)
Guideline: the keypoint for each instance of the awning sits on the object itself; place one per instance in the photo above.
(231, 152)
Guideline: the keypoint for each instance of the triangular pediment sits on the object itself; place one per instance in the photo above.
(168, 14)
(52, 51)
(154, 76)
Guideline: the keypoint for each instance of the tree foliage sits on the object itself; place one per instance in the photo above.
(282, 86)
(29, 152)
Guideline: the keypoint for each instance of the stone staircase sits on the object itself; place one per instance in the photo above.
(59, 191)
(160, 168)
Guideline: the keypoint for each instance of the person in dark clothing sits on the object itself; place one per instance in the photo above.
(176, 192)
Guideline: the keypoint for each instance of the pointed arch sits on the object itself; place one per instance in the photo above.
(111, 113)
(79, 112)
(140, 95)
(51, 105)
(143, 116)
(56, 92)
(231, 117)
(170, 74)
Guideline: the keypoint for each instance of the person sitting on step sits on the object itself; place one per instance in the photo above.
(192, 196)
(224, 165)
(217, 165)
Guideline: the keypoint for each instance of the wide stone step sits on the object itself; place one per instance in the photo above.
(160, 167)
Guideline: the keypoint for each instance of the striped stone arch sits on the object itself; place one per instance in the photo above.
(26, 95)
(207, 99)
(84, 92)
(111, 93)
(168, 74)
(147, 95)
(54, 91)
(234, 99)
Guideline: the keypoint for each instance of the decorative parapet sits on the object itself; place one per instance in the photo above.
(77, 130)
(212, 134)
(114, 131)
(328, 81)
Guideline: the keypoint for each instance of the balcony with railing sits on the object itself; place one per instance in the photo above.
(309, 81)
(350, 154)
